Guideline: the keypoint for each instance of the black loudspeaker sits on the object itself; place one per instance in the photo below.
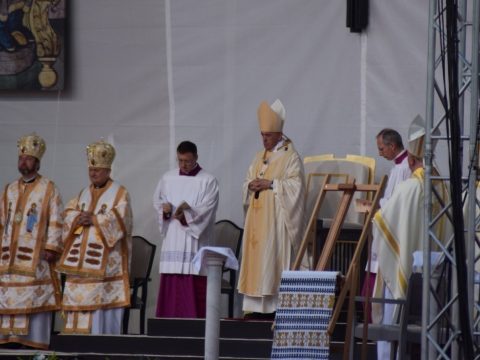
(357, 15)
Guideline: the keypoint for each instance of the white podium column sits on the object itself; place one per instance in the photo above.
(214, 264)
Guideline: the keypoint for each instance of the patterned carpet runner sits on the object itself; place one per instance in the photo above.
(304, 310)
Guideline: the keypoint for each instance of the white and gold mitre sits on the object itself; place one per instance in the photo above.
(416, 137)
(32, 145)
(100, 154)
(271, 117)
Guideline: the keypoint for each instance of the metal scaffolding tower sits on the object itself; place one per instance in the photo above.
(451, 308)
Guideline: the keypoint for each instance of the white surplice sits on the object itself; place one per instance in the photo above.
(181, 243)
(398, 173)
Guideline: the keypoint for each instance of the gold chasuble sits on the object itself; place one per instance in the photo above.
(274, 225)
(30, 223)
(96, 259)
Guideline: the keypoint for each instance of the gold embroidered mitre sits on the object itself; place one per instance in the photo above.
(32, 145)
(271, 117)
(100, 154)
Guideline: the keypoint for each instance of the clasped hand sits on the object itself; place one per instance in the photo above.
(85, 218)
(179, 212)
(49, 255)
(259, 184)
(167, 209)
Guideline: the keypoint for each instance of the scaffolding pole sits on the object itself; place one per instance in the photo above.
(442, 334)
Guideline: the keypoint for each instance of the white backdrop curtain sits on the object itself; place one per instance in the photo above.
(147, 74)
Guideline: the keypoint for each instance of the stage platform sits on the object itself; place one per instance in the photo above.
(169, 339)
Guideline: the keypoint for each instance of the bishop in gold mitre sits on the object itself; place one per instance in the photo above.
(100, 154)
(31, 241)
(98, 244)
(274, 195)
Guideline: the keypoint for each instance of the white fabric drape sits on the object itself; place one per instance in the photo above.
(150, 73)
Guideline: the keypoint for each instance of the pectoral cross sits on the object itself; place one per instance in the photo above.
(79, 229)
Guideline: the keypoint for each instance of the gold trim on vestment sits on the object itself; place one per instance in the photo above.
(42, 226)
(82, 280)
(26, 311)
(57, 286)
(120, 222)
(118, 304)
(106, 247)
(125, 270)
(74, 270)
(78, 269)
(55, 224)
(419, 174)
(24, 192)
(69, 239)
(75, 329)
(392, 243)
(27, 283)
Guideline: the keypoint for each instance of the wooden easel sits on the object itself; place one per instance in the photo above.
(310, 233)
(350, 285)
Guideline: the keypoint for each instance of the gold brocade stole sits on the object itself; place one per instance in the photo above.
(80, 249)
(263, 170)
(259, 223)
(24, 191)
(20, 248)
(260, 171)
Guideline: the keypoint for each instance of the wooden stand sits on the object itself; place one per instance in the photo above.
(350, 285)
